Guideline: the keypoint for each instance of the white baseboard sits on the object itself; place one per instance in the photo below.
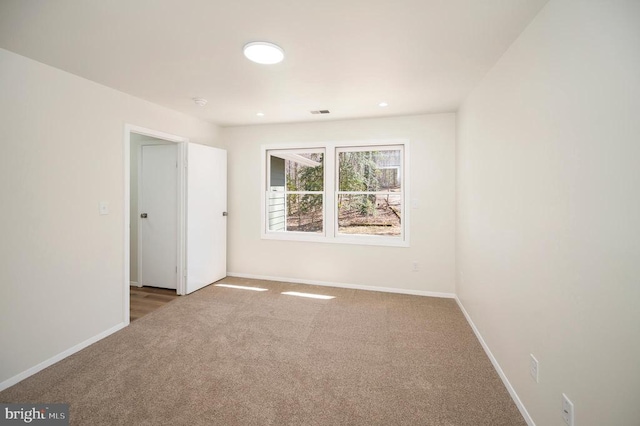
(134, 284)
(44, 364)
(344, 285)
(494, 361)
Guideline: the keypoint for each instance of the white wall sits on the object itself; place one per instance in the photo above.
(432, 139)
(548, 237)
(62, 264)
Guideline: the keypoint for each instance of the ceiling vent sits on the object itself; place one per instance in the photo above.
(321, 111)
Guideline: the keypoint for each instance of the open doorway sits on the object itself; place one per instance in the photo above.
(154, 224)
(200, 213)
(154, 211)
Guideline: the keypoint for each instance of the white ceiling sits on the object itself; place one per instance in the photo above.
(420, 56)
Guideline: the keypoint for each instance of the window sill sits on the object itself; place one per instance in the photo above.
(365, 240)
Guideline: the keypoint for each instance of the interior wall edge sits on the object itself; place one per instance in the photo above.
(505, 380)
(59, 357)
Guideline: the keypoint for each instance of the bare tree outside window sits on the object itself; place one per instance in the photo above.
(370, 192)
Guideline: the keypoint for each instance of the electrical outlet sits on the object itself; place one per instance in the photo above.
(416, 266)
(533, 367)
(567, 410)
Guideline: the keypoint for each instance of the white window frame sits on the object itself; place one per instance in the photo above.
(337, 191)
(266, 177)
(330, 194)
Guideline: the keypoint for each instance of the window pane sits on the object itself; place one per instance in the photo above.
(276, 178)
(370, 171)
(304, 212)
(369, 214)
(276, 211)
(303, 171)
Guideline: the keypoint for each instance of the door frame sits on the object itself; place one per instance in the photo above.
(181, 214)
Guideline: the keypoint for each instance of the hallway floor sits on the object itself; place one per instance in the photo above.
(148, 299)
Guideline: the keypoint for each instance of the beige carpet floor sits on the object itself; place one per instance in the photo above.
(224, 356)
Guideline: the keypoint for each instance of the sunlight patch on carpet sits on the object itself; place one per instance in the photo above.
(241, 287)
(309, 295)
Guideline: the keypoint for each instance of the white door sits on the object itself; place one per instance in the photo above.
(158, 220)
(206, 216)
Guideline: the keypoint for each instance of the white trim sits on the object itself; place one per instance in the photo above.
(265, 171)
(366, 193)
(329, 186)
(181, 287)
(497, 367)
(127, 224)
(62, 355)
(345, 285)
(134, 284)
(358, 147)
(130, 128)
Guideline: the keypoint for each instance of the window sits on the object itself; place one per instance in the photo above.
(336, 192)
(296, 191)
(370, 191)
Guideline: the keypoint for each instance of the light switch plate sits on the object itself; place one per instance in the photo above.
(567, 410)
(533, 367)
(104, 207)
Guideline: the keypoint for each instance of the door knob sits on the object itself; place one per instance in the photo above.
(225, 214)
(143, 215)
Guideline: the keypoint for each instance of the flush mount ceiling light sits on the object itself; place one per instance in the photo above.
(200, 101)
(383, 104)
(260, 114)
(262, 52)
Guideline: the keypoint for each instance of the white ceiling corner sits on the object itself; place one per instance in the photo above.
(420, 56)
